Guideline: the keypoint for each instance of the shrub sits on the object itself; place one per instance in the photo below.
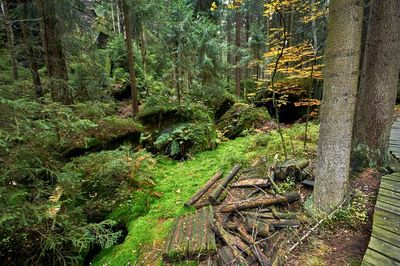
(177, 131)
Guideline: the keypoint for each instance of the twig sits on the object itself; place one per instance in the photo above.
(273, 82)
(315, 226)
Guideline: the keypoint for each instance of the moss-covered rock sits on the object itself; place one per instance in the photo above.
(177, 131)
(107, 134)
(241, 117)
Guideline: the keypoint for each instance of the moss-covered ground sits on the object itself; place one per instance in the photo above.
(176, 181)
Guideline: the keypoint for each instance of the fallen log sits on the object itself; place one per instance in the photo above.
(203, 190)
(283, 223)
(257, 227)
(233, 242)
(291, 169)
(259, 182)
(262, 215)
(213, 198)
(261, 201)
(282, 215)
(226, 256)
(258, 253)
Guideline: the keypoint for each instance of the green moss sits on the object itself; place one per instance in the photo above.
(241, 117)
(178, 181)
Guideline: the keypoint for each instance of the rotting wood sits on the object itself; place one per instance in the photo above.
(191, 237)
(213, 198)
(226, 256)
(261, 201)
(233, 242)
(262, 215)
(257, 227)
(282, 215)
(291, 169)
(253, 182)
(283, 223)
(203, 190)
(262, 259)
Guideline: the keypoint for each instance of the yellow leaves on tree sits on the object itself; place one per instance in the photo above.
(293, 70)
(236, 4)
(213, 7)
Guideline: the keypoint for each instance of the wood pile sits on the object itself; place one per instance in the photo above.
(238, 218)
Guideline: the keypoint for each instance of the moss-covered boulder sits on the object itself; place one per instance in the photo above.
(241, 117)
(177, 131)
(106, 134)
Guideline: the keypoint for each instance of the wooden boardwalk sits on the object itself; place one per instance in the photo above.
(384, 245)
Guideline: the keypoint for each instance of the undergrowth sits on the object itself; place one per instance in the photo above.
(177, 181)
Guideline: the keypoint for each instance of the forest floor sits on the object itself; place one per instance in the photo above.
(341, 243)
(178, 181)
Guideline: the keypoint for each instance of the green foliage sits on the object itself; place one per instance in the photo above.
(176, 182)
(177, 131)
(355, 214)
(50, 212)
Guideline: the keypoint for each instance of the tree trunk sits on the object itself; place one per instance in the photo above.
(33, 66)
(342, 57)
(314, 28)
(238, 70)
(57, 65)
(378, 84)
(131, 59)
(229, 50)
(10, 39)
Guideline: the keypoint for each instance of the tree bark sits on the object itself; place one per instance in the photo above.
(378, 84)
(229, 50)
(238, 70)
(131, 59)
(314, 28)
(10, 39)
(33, 66)
(262, 201)
(342, 57)
(57, 66)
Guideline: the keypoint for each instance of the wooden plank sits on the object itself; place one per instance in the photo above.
(390, 183)
(389, 193)
(385, 248)
(386, 235)
(376, 258)
(389, 200)
(388, 186)
(388, 207)
(364, 263)
(395, 178)
(386, 222)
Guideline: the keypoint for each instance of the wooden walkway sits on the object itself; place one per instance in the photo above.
(384, 245)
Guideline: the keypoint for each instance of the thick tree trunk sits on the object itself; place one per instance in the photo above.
(131, 59)
(378, 84)
(238, 70)
(342, 57)
(10, 39)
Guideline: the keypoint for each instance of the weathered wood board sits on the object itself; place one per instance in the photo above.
(191, 236)
(384, 245)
